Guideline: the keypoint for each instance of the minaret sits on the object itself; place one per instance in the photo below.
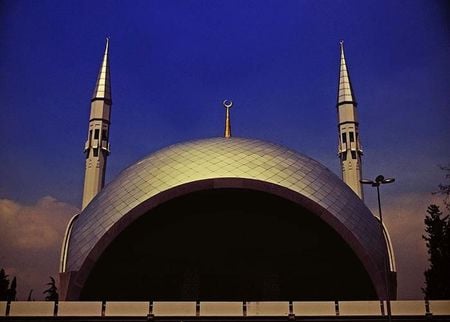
(227, 104)
(349, 150)
(97, 144)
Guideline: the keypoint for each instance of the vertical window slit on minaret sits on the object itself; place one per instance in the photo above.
(352, 137)
(344, 138)
(104, 134)
(96, 134)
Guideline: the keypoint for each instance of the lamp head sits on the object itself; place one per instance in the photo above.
(378, 181)
(388, 180)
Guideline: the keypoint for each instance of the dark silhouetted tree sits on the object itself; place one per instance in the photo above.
(4, 283)
(444, 189)
(52, 291)
(12, 290)
(437, 237)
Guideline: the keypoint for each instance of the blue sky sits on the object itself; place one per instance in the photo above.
(173, 62)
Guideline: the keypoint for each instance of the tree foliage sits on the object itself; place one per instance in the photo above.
(4, 284)
(29, 296)
(444, 189)
(12, 292)
(437, 237)
(7, 291)
(52, 291)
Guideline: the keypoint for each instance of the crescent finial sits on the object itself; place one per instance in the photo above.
(227, 103)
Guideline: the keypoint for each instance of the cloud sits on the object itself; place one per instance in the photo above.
(404, 215)
(30, 239)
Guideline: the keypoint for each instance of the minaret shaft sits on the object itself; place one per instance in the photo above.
(227, 104)
(349, 149)
(227, 133)
(97, 144)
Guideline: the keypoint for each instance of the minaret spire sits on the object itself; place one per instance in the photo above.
(349, 150)
(97, 144)
(227, 104)
(102, 88)
(345, 86)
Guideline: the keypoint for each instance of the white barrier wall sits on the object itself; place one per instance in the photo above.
(408, 308)
(267, 308)
(174, 308)
(221, 309)
(127, 308)
(440, 307)
(314, 308)
(360, 308)
(80, 309)
(18, 308)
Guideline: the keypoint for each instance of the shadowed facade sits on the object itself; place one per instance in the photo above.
(228, 244)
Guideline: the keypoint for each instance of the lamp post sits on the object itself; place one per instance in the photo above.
(379, 180)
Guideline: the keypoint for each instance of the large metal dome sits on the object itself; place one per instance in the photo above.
(221, 162)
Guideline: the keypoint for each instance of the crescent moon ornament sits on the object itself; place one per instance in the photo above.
(227, 103)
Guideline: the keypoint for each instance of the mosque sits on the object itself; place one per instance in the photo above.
(225, 219)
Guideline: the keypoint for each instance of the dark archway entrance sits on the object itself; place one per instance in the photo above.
(228, 244)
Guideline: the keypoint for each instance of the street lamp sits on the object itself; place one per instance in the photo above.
(379, 180)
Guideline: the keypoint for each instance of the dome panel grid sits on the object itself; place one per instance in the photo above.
(221, 158)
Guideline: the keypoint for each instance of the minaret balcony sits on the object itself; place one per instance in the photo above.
(342, 148)
(105, 146)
